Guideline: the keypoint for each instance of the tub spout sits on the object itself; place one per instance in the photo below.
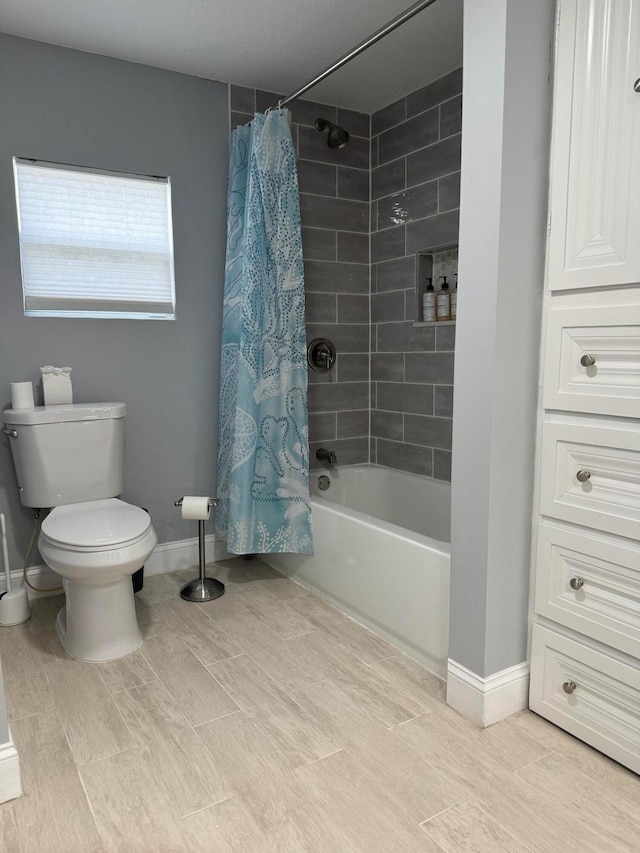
(328, 456)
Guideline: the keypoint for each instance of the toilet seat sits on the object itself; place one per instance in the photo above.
(95, 526)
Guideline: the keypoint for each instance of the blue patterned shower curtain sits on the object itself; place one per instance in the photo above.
(263, 457)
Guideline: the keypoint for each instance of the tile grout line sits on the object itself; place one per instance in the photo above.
(417, 150)
(532, 763)
(206, 808)
(197, 726)
(423, 823)
(408, 118)
(317, 760)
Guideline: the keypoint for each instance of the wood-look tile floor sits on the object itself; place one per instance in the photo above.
(268, 721)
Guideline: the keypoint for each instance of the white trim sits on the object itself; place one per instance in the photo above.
(10, 781)
(183, 554)
(486, 701)
(167, 557)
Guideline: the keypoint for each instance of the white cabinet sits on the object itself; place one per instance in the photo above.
(592, 360)
(595, 159)
(589, 693)
(590, 475)
(590, 585)
(585, 646)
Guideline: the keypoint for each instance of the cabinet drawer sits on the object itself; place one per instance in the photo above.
(609, 499)
(604, 601)
(609, 336)
(603, 705)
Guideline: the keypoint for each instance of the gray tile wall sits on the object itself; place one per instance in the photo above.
(389, 396)
(334, 208)
(415, 200)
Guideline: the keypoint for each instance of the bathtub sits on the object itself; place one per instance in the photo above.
(382, 555)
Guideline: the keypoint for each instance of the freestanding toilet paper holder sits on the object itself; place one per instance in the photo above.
(201, 588)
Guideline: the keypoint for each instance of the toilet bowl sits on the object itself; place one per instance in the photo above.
(96, 546)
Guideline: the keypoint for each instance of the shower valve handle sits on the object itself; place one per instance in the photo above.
(321, 355)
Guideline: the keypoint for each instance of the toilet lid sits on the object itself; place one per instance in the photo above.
(96, 524)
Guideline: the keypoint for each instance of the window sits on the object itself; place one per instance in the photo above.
(94, 243)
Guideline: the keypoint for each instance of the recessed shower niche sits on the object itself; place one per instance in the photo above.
(433, 264)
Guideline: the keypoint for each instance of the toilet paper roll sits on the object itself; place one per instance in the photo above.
(22, 395)
(196, 507)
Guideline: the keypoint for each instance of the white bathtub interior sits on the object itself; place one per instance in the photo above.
(415, 503)
(368, 562)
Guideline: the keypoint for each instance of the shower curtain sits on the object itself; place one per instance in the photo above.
(263, 434)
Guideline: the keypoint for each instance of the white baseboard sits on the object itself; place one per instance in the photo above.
(183, 554)
(167, 557)
(10, 781)
(486, 701)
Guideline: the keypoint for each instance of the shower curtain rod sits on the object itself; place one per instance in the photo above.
(379, 34)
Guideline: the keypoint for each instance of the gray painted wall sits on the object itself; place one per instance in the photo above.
(505, 154)
(72, 107)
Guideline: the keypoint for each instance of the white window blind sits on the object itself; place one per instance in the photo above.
(94, 243)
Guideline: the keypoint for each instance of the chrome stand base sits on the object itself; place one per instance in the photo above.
(202, 589)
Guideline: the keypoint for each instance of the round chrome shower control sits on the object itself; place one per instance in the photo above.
(583, 476)
(321, 355)
(587, 360)
(323, 482)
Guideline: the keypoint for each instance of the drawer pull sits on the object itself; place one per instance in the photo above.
(587, 361)
(569, 687)
(576, 583)
(583, 476)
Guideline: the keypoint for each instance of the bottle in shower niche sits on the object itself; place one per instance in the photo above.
(443, 301)
(429, 303)
(454, 298)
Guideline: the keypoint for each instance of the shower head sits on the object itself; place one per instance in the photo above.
(338, 136)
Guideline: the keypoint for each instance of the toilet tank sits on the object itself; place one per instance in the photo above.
(67, 454)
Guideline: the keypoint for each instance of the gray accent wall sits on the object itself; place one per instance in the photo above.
(72, 107)
(334, 209)
(415, 200)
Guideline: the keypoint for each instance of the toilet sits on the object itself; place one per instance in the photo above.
(70, 458)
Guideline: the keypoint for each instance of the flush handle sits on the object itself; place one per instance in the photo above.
(12, 433)
(576, 583)
(569, 687)
(587, 360)
(583, 476)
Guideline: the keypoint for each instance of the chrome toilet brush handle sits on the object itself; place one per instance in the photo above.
(202, 588)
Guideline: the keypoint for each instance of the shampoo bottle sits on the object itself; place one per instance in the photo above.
(454, 299)
(429, 303)
(443, 301)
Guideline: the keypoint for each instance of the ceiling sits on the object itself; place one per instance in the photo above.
(277, 46)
